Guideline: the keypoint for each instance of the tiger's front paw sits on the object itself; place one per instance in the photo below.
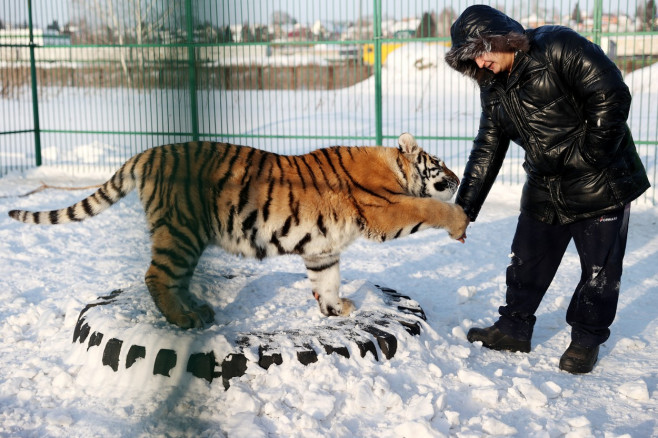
(458, 223)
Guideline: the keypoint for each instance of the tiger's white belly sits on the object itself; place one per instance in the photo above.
(304, 241)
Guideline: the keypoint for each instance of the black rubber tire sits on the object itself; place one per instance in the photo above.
(124, 331)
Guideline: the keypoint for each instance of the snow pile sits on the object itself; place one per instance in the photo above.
(643, 80)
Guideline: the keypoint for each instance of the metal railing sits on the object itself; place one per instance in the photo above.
(85, 85)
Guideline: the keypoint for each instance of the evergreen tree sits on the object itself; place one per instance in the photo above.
(576, 15)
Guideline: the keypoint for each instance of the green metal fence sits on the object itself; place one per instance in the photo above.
(85, 85)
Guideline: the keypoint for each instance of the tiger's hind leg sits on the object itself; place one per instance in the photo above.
(174, 257)
(324, 273)
(206, 312)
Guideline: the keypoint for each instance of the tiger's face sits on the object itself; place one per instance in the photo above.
(436, 180)
(440, 182)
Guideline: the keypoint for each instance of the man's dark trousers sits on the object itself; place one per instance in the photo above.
(537, 250)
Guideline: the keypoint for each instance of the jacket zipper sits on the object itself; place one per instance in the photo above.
(510, 103)
(516, 119)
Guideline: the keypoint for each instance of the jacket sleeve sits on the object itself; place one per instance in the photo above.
(489, 149)
(596, 84)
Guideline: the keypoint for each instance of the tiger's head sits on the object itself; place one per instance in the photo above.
(433, 178)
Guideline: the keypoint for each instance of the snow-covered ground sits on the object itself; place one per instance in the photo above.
(437, 384)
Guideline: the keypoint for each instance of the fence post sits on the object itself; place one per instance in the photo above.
(35, 94)
(378, 71)
(191, 67)
(598, 21)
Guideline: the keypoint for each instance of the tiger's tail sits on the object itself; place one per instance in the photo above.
(121, 183)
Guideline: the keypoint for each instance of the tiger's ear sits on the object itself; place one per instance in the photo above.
(408, 144)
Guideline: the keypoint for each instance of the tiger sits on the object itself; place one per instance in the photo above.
(255, 203)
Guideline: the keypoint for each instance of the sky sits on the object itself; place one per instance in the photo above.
(307, 11)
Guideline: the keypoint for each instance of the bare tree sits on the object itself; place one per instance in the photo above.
(446, 18)
(129, 21)
(649, 18)
(646, 15)
(282, 18)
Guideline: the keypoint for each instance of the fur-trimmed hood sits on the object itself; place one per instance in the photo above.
(481, 29)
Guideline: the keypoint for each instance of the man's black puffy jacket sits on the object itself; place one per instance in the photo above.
(564, 102)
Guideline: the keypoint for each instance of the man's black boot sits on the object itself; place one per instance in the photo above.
(578, 359)
(494, 339)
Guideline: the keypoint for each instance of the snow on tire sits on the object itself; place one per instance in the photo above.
(123, 332)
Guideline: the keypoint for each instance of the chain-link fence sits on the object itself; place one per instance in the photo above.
(85, 85)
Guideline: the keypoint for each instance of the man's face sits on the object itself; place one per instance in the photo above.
(496, 61)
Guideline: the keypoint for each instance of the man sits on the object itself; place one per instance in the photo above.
(559, 97)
